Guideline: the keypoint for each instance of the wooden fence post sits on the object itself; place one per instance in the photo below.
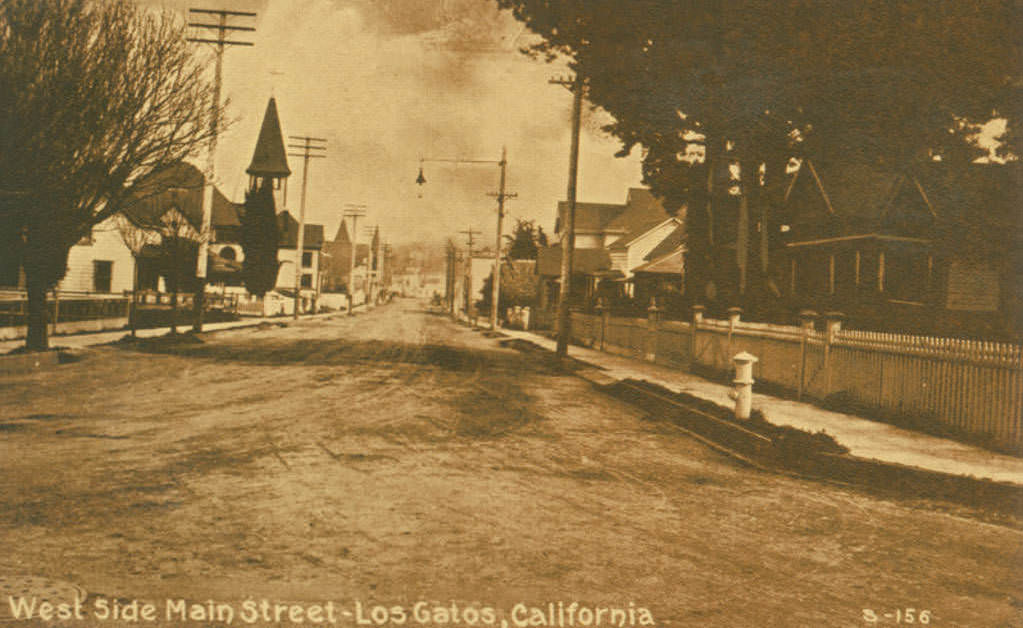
(734, 316)
(604, 313)
(653, 320)
(56, 311)
(697, 319)
(806, 319)
(833, 324)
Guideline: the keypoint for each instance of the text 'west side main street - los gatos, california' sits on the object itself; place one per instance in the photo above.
(268, 612)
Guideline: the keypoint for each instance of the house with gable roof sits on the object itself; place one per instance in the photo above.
(338, 274)
(931, 251)
(611, 242)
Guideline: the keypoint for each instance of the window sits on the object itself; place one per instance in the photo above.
(307, 280)
(307, 259)
(102, 271)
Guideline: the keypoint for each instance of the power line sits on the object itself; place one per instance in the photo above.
(220, 40)
(306, 147)
(470, 232)
(353, 211)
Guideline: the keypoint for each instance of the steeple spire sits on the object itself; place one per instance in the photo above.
(270, 159)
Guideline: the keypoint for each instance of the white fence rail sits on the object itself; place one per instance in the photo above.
(974, 387)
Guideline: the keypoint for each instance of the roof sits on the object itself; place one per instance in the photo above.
(584, 261)
(623, 242)
(675, 240)
(225, 213)
(670, 264)
(288, 229)
(642, 210)
(978, 206)
(640, 213)
(588, 216)
(342, 234)
(270, 159)
(177, 186)
(856, 194)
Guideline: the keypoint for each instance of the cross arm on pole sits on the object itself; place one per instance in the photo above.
(459, 161)
(226, 42)
(222, 26)
(222, 12)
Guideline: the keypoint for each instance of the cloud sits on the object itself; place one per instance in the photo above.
(388, 81)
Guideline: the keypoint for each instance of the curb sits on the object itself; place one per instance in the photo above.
(762, 452)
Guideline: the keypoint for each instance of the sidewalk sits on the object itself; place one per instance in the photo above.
(79, 341)
(864, 438)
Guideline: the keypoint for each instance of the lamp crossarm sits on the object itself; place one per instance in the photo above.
(460, 161)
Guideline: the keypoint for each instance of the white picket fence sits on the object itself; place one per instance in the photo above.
(973, 386)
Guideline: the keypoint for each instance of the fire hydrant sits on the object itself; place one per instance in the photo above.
(743, 382)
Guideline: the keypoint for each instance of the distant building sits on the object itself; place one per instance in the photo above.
(338, 275)
(611, 242)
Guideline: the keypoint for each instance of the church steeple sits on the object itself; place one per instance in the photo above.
(270, 160)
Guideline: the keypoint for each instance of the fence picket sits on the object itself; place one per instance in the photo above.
(976, 386)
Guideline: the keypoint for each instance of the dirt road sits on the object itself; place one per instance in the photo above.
(395, 457)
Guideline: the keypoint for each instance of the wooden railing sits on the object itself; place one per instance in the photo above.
(64, 307)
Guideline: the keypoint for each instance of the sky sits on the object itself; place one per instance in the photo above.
(389, 81)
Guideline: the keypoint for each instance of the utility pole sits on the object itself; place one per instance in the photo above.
(309, 145)
(568, 240)
(219, 39)
(386, 275)
(354, 212)
(371, 232)
(470, 233)
(449, 279)
(501, 196)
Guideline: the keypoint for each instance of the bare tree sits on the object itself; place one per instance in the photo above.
(93, 95)
(135, 238)
(179, 246)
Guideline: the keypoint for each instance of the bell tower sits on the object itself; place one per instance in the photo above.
(269, 160)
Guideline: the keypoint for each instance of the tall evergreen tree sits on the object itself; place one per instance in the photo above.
(756, 82)
(259, 239)
(522, 244)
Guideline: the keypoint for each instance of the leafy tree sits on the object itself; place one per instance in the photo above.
(93, 95)
(755, 82)
(259, 239)
(524, 241)
(518, 288)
